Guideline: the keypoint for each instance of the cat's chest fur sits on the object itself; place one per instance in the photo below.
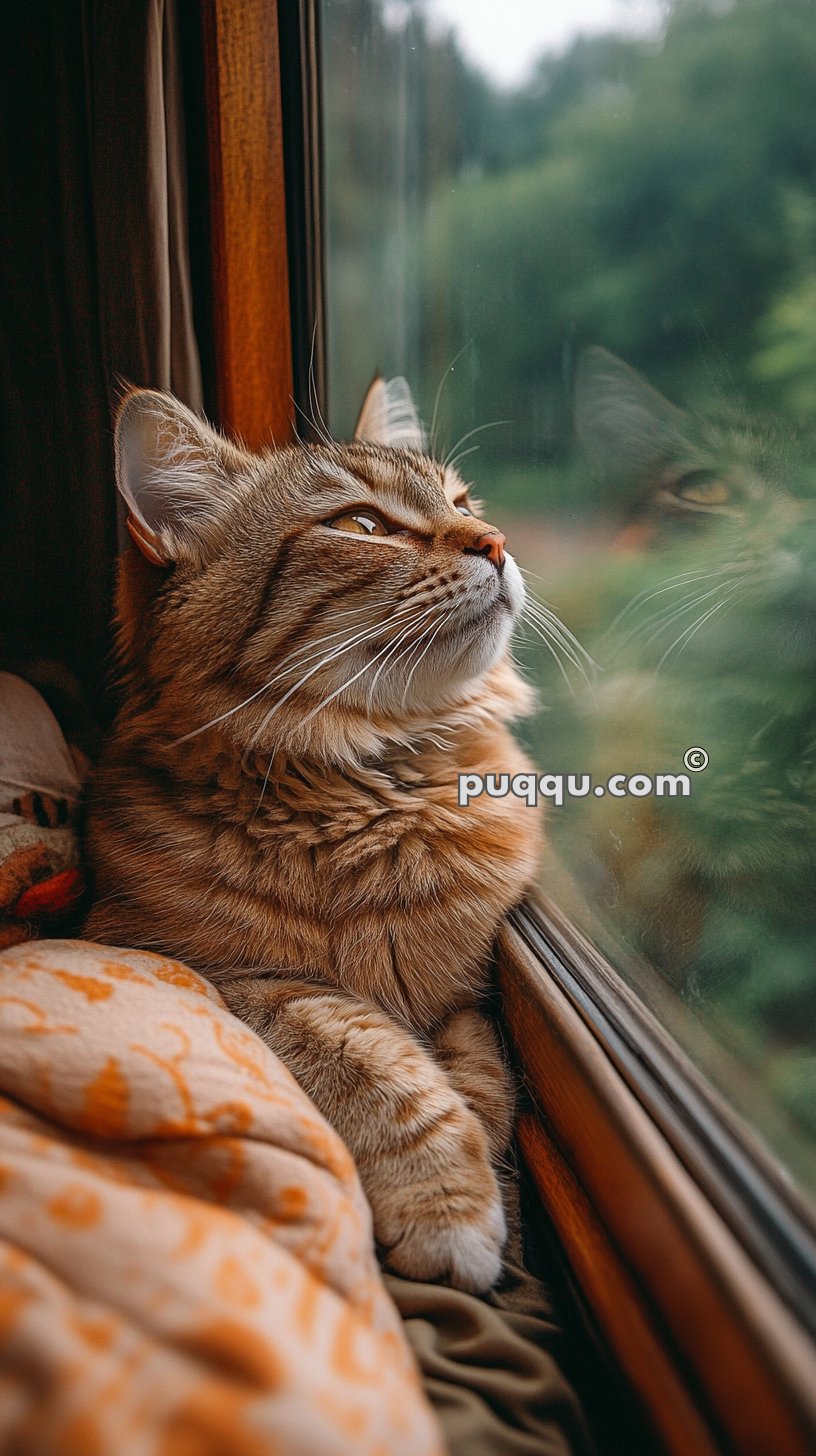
(376, 881)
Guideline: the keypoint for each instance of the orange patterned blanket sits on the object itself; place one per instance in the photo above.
(186, 1253)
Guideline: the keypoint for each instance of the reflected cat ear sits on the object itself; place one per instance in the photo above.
(389, 416)
(176, 475)
(623, 425)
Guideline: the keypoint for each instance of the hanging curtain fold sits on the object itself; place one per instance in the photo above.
(95, 292)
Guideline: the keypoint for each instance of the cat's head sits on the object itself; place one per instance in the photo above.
(704, 626)
(318, 598)
(721, 508)
(678, 468)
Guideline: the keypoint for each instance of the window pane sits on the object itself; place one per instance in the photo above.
(585, 233)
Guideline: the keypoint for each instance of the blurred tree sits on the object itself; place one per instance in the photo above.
(645, 203)
(784, 364)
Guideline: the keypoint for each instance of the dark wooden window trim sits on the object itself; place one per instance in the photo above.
(262, 82)
(250, 270)
(719, 1358)
(299, 25)
(755, 1197)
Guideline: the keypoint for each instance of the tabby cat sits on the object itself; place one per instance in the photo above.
(314, 643)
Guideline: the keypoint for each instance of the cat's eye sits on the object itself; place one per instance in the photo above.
(464, 510)
(359, 523)
(703, 488)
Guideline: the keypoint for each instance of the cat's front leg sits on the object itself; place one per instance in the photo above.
(468, 1048)
(422, 1154)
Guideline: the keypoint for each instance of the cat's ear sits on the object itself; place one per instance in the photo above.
(177, 476)
(389, 416)
(623, 425)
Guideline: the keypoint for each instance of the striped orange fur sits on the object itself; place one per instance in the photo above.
(314, 643)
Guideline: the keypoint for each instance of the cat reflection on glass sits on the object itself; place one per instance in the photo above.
(702, 619)
(315, 643)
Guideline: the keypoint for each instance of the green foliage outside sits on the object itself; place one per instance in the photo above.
(657, 198)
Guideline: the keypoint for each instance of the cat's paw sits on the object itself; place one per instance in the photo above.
(437, 1244)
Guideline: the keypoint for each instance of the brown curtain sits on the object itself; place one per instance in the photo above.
(95, 291)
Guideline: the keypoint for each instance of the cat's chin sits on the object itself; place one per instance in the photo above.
(462, 655)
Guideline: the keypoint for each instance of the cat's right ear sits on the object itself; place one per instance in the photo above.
(389, 416)
(177, 476)
(623, 425)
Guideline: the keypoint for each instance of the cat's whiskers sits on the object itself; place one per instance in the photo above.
(311, 423)
(671, 583)
(385, 666)
(305, 652)
(212, 723)
(550, 625)
(299, 440)
(314, 404)
(658, 622)
(544, 629)
(559, 641)
(434, 415)
(453, 453)
(331, 696)
(357, 640)
(364, 607)
(439, 392)
(652, 630)
(457, 459)
(681, 642)
(537, 599)
(551, 648)
(422, 654)
(307, 648)
(402, 657)
(365, 668)
(548, 617)
(661, 620)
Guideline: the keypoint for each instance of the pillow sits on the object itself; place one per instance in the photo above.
(40, 784)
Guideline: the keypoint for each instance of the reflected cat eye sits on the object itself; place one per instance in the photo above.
(703, 488)
(359, 523)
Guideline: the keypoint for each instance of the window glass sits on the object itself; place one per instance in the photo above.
(585, 233)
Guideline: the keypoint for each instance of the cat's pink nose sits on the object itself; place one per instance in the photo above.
(491, 545)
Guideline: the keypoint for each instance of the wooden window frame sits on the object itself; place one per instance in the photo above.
(252, 345)
(261, 80)
(695, 1259)
(690, 1252)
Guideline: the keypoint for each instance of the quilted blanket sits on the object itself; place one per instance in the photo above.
(186, 1259)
